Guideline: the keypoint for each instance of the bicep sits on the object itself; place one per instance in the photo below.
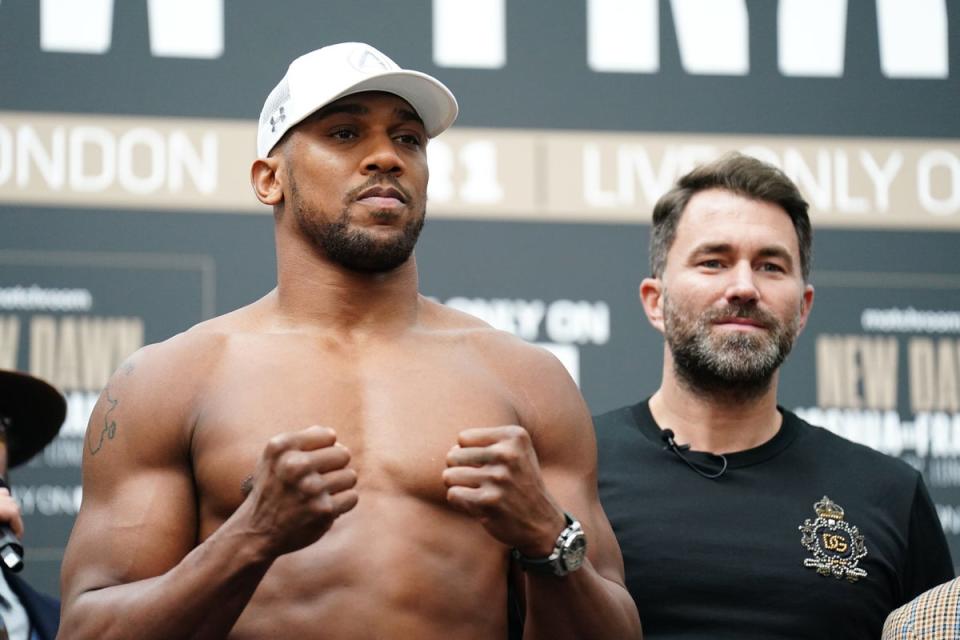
(138, 517)
(145, 528)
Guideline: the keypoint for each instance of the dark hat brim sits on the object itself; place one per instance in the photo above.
(35, 412)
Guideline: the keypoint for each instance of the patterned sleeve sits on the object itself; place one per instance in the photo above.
(897, 626)
(932, 615)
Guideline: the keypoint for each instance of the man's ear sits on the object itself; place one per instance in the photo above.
(651, 297)
(266, 179)
(806, 304)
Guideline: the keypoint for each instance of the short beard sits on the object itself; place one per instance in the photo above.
(732, 368)
(353, 248)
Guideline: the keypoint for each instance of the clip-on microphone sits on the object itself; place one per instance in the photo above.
(678, 449)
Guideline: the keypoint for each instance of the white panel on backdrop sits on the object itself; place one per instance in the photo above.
(178, 28)
(480, 185)
(913, 38)
(623, 35)
(713, 36)
(811, 37)
(441, 162)
(76, 26)
(474, 166)
(470, 34)
(186, 28)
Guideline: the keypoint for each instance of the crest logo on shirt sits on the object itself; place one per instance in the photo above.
(836, 545)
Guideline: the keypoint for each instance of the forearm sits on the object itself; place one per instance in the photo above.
(579, 605)
(201, 597)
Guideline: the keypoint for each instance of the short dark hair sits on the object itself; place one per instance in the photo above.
(740, 174)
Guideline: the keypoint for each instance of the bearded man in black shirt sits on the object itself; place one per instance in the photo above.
(736, 518)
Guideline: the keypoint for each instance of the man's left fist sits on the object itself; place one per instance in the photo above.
(493, 475)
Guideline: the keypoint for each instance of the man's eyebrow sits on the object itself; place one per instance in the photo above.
(770, 251)
(776, 252)
(350, 108)
(712, 247)
(408, 115)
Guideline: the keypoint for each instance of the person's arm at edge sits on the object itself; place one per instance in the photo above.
(898, 625)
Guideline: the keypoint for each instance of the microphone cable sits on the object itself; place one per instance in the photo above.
(667, 436)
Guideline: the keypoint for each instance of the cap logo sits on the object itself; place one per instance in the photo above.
(369, 62)
(276, 119)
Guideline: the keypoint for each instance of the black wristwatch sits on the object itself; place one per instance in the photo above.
(568, 555)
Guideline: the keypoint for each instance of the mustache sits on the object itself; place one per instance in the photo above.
(742, 311)
(378, 181)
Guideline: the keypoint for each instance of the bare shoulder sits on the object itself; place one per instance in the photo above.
(149, 406)
(147, 392)
(439, 317)
(178, 358)
(181, 362)
(514, 357)
(541, 389)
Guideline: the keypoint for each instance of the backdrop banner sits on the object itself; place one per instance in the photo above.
(127, 130)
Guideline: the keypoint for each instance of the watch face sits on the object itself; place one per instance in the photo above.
(574, 551)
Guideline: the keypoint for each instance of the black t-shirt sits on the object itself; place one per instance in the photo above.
(725, 558)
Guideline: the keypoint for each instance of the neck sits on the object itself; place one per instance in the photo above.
(313, 292)
(715, 422)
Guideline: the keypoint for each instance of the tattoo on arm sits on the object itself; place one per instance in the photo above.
(109, 429)
(109, 425)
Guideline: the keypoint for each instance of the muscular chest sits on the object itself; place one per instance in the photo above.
(398, 409)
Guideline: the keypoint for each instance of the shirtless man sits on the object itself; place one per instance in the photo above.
(439, 448)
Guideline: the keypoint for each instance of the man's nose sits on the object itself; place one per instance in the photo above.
(382, 157)
(742, 286)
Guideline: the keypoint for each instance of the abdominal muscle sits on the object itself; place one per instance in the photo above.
(395, 567)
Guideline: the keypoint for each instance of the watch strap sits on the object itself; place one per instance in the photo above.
(554, 563)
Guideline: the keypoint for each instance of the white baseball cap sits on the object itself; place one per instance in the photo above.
(316, 79)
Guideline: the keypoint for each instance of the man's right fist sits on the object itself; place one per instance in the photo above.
(302, 484)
